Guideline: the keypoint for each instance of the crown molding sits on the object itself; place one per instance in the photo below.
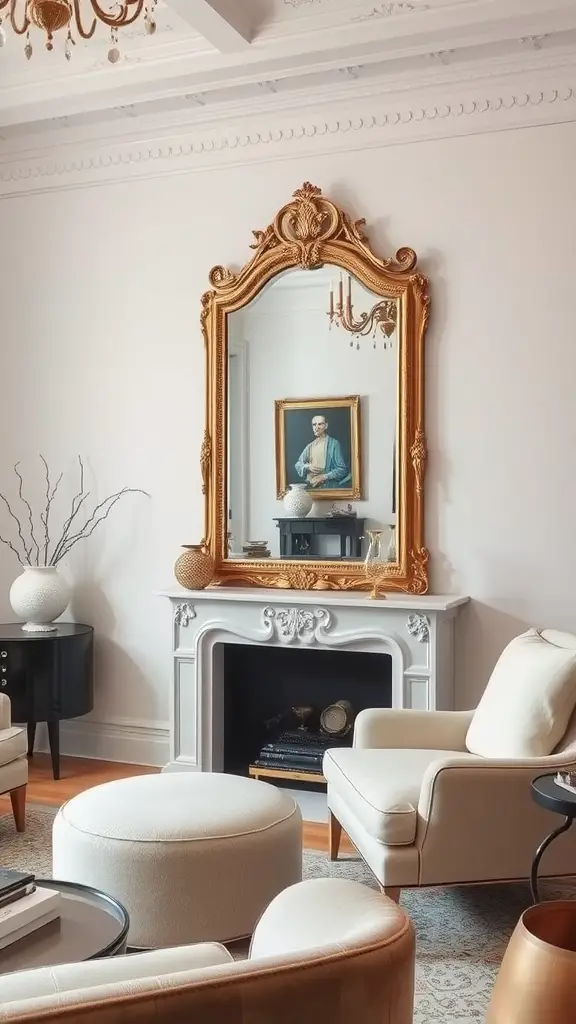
(363, 123)
(174, 112)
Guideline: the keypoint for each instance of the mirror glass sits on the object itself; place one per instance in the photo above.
(312, 419)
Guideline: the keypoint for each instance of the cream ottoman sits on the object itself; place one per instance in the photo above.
(192, 856)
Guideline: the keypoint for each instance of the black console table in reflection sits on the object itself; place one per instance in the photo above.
(48, 677)
(299, 537)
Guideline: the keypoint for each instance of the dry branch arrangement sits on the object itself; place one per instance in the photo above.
(34, 545)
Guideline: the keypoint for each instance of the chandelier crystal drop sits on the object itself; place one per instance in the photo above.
(76, 19)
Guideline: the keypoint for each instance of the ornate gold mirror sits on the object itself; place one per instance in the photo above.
(314, 453)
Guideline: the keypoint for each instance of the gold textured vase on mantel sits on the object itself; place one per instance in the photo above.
(194, 568)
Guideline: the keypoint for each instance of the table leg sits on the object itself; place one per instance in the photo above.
(31, 730)
(54, 741)
(538, 856)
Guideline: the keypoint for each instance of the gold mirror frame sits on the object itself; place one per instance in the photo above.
(306, 233)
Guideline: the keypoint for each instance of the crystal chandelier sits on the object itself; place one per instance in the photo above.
(78, 18)
(382, 317)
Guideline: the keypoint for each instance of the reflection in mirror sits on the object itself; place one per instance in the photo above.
(312, 420)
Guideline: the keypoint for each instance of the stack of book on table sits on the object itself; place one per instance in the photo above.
(24, 907)
(298, 750)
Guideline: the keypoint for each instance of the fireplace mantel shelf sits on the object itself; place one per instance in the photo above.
(416, 632)
(331, 598)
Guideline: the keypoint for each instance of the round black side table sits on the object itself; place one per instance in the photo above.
(554, 798)
(48, 677)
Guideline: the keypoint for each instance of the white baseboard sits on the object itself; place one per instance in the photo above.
(125, 740)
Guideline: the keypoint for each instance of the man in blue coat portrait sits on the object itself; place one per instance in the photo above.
(322, 462)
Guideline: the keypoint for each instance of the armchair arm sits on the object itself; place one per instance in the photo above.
(5, 718)
(449, 772)
(427, 730)
(119, 973)
(477, 820)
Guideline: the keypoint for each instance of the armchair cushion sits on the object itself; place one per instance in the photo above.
(382, 787)
(529, 699)
(12, 744)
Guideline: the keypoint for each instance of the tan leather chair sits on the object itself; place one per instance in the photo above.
(324, 950)
(443, 798)
(13, 763)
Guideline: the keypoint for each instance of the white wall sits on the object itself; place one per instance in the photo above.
(291, 352)
(102, 354)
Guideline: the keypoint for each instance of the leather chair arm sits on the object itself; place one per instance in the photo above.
(428, 730)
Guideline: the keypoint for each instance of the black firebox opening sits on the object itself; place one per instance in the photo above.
(261, 683)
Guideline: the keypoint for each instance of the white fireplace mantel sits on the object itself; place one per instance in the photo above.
(417, 632)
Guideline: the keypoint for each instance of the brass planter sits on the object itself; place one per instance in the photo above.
(194, 568)
(536, 983)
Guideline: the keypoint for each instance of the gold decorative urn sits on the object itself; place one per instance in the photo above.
(194, 568)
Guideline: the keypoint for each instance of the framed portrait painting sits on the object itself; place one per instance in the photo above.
(318, 443)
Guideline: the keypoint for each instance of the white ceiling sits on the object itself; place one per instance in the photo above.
(206, 55)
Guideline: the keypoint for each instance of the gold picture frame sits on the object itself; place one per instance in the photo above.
(321, 407)
(306, 233)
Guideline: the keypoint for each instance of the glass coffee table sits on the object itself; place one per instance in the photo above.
(91, 925)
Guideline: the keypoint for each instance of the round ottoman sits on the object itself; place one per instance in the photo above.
(192, 856)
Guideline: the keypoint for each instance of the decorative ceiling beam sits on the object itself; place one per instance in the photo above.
(223, 23)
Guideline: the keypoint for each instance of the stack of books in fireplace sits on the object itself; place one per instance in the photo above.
(298, 750)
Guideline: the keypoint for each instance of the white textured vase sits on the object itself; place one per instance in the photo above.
(297, 501)
(39, 596)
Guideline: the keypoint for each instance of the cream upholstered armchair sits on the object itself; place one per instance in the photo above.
(13, 763)
(441, 797)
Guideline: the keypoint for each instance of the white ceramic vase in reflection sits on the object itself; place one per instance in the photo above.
(297, 502)
(39, 595)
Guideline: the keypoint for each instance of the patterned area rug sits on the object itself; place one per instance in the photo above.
(461, 933)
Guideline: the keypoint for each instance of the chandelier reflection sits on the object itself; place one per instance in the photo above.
(77, 18)
(382, 318)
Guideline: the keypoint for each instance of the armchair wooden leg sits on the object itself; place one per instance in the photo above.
(392, 892)
(18, 801)
(334, 837)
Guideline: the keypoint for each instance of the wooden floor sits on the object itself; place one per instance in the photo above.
(78, 774)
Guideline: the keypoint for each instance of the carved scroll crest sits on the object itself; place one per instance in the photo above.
(295, 624)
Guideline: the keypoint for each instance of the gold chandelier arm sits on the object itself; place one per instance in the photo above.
(123, 17)
(82, 32)
(19, 30)
(382, 315)
(3, 4)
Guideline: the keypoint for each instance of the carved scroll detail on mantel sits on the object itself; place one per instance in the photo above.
(184, 613)
(301, 625)
(419, 627)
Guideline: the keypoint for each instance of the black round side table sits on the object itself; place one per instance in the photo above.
(48, 677)
(554, 798)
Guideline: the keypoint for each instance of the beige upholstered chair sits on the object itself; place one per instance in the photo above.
(13, 763)
(324, 950)
(441, 798)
